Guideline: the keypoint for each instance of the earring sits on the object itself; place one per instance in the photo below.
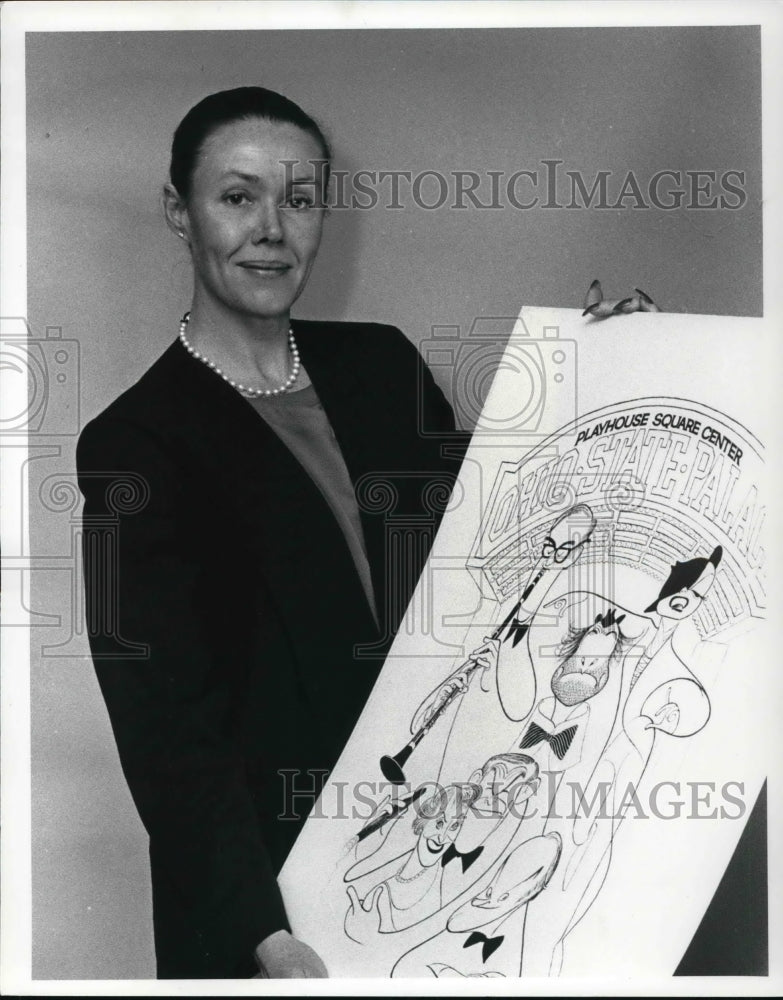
(181, 234)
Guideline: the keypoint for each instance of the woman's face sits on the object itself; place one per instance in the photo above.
(438, 832)
(251, 221)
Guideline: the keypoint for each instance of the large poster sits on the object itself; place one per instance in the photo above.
(556, 761)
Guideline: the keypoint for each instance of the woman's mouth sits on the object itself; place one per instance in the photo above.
(266, 268)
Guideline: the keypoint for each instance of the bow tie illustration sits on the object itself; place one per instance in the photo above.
(560, 742)
(516, 630)
(467, 859)
(489, 944)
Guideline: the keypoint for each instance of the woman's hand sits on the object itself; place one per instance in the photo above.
(365, 917)
(282, 956)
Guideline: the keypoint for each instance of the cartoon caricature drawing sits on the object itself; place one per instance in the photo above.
(592, 651)
(424, 861)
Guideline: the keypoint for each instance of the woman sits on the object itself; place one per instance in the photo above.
(234, 538)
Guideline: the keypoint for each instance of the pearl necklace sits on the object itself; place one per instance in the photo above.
(246, 390)
(399, 877)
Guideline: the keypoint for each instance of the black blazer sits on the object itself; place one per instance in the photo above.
(224, 611)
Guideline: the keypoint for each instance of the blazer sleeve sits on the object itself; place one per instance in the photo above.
(169, 706)
(438, 438)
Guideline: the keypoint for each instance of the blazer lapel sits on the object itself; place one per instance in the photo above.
(317, 591)
(355, 414)
(374, 408)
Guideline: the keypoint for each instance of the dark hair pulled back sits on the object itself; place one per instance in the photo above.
(229, 106)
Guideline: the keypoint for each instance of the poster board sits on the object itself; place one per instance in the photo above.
(574, 720)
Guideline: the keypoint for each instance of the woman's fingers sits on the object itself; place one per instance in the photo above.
(372, 900)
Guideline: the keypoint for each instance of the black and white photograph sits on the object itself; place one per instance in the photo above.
(389, 437)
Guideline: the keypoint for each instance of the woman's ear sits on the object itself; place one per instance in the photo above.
(176, 212)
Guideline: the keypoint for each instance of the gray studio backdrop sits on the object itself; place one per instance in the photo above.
(110, 282)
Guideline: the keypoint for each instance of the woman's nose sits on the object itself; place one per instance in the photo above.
(267, 225)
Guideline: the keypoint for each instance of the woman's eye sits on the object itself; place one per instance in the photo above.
(298, 201)
(236, 198)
